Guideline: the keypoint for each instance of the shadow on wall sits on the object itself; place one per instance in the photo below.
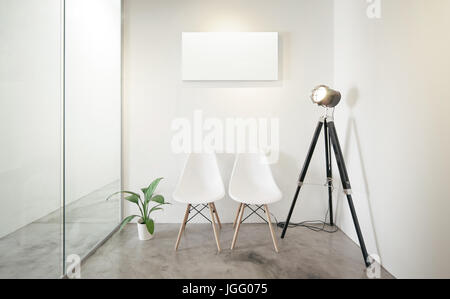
(352, 98)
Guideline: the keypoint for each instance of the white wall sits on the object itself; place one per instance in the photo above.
(93, 95)
(394, 74)
(155, 94)
(30, 109)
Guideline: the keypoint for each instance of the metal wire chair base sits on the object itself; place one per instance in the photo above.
(198, 212)
(254, 211)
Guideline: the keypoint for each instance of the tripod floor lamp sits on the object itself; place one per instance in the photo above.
(328, 98)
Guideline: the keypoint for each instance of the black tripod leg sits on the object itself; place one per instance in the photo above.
(329, 172)
(303, 174)
(347, 187)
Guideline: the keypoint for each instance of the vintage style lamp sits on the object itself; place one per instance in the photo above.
(328, 98)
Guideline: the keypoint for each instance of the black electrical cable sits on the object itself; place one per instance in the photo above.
(316, 226)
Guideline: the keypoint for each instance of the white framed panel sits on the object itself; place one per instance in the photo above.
(230, 56)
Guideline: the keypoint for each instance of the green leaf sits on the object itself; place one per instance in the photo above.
(158, 198)
(155, 209)
(123, 192)
(126, 221)
(133, 198)
(151, 189)
(149, 193)
(150, 226)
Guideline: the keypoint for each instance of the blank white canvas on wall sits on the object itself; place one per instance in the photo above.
(231, 56)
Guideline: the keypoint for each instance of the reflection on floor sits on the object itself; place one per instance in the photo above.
(35, 251)
(303, 254)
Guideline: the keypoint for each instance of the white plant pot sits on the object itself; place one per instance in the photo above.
(144, 235)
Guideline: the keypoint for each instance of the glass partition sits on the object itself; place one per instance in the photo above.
(31, 138)
(92, 122)
(60, 128)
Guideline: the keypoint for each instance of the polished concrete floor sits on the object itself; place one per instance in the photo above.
(303, 254)
(35, 251)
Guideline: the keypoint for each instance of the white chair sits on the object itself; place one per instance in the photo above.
(252, 184)
(199, 187)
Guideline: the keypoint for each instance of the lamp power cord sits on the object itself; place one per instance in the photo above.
(314, 225)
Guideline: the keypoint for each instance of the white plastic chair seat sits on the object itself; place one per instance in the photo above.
(252, 181)
(201, 182)
(256, 196)
(196, 197)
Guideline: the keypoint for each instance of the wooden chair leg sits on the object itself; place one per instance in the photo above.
(183, 226)
(271, 228)
(211, 209)
(237, 215)
(217, 215)
(233, 244)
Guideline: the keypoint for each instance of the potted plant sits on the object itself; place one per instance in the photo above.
(145, 224)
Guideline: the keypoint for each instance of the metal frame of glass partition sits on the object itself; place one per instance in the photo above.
(63, 140)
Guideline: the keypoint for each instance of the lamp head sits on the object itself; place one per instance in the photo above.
(324, 96)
